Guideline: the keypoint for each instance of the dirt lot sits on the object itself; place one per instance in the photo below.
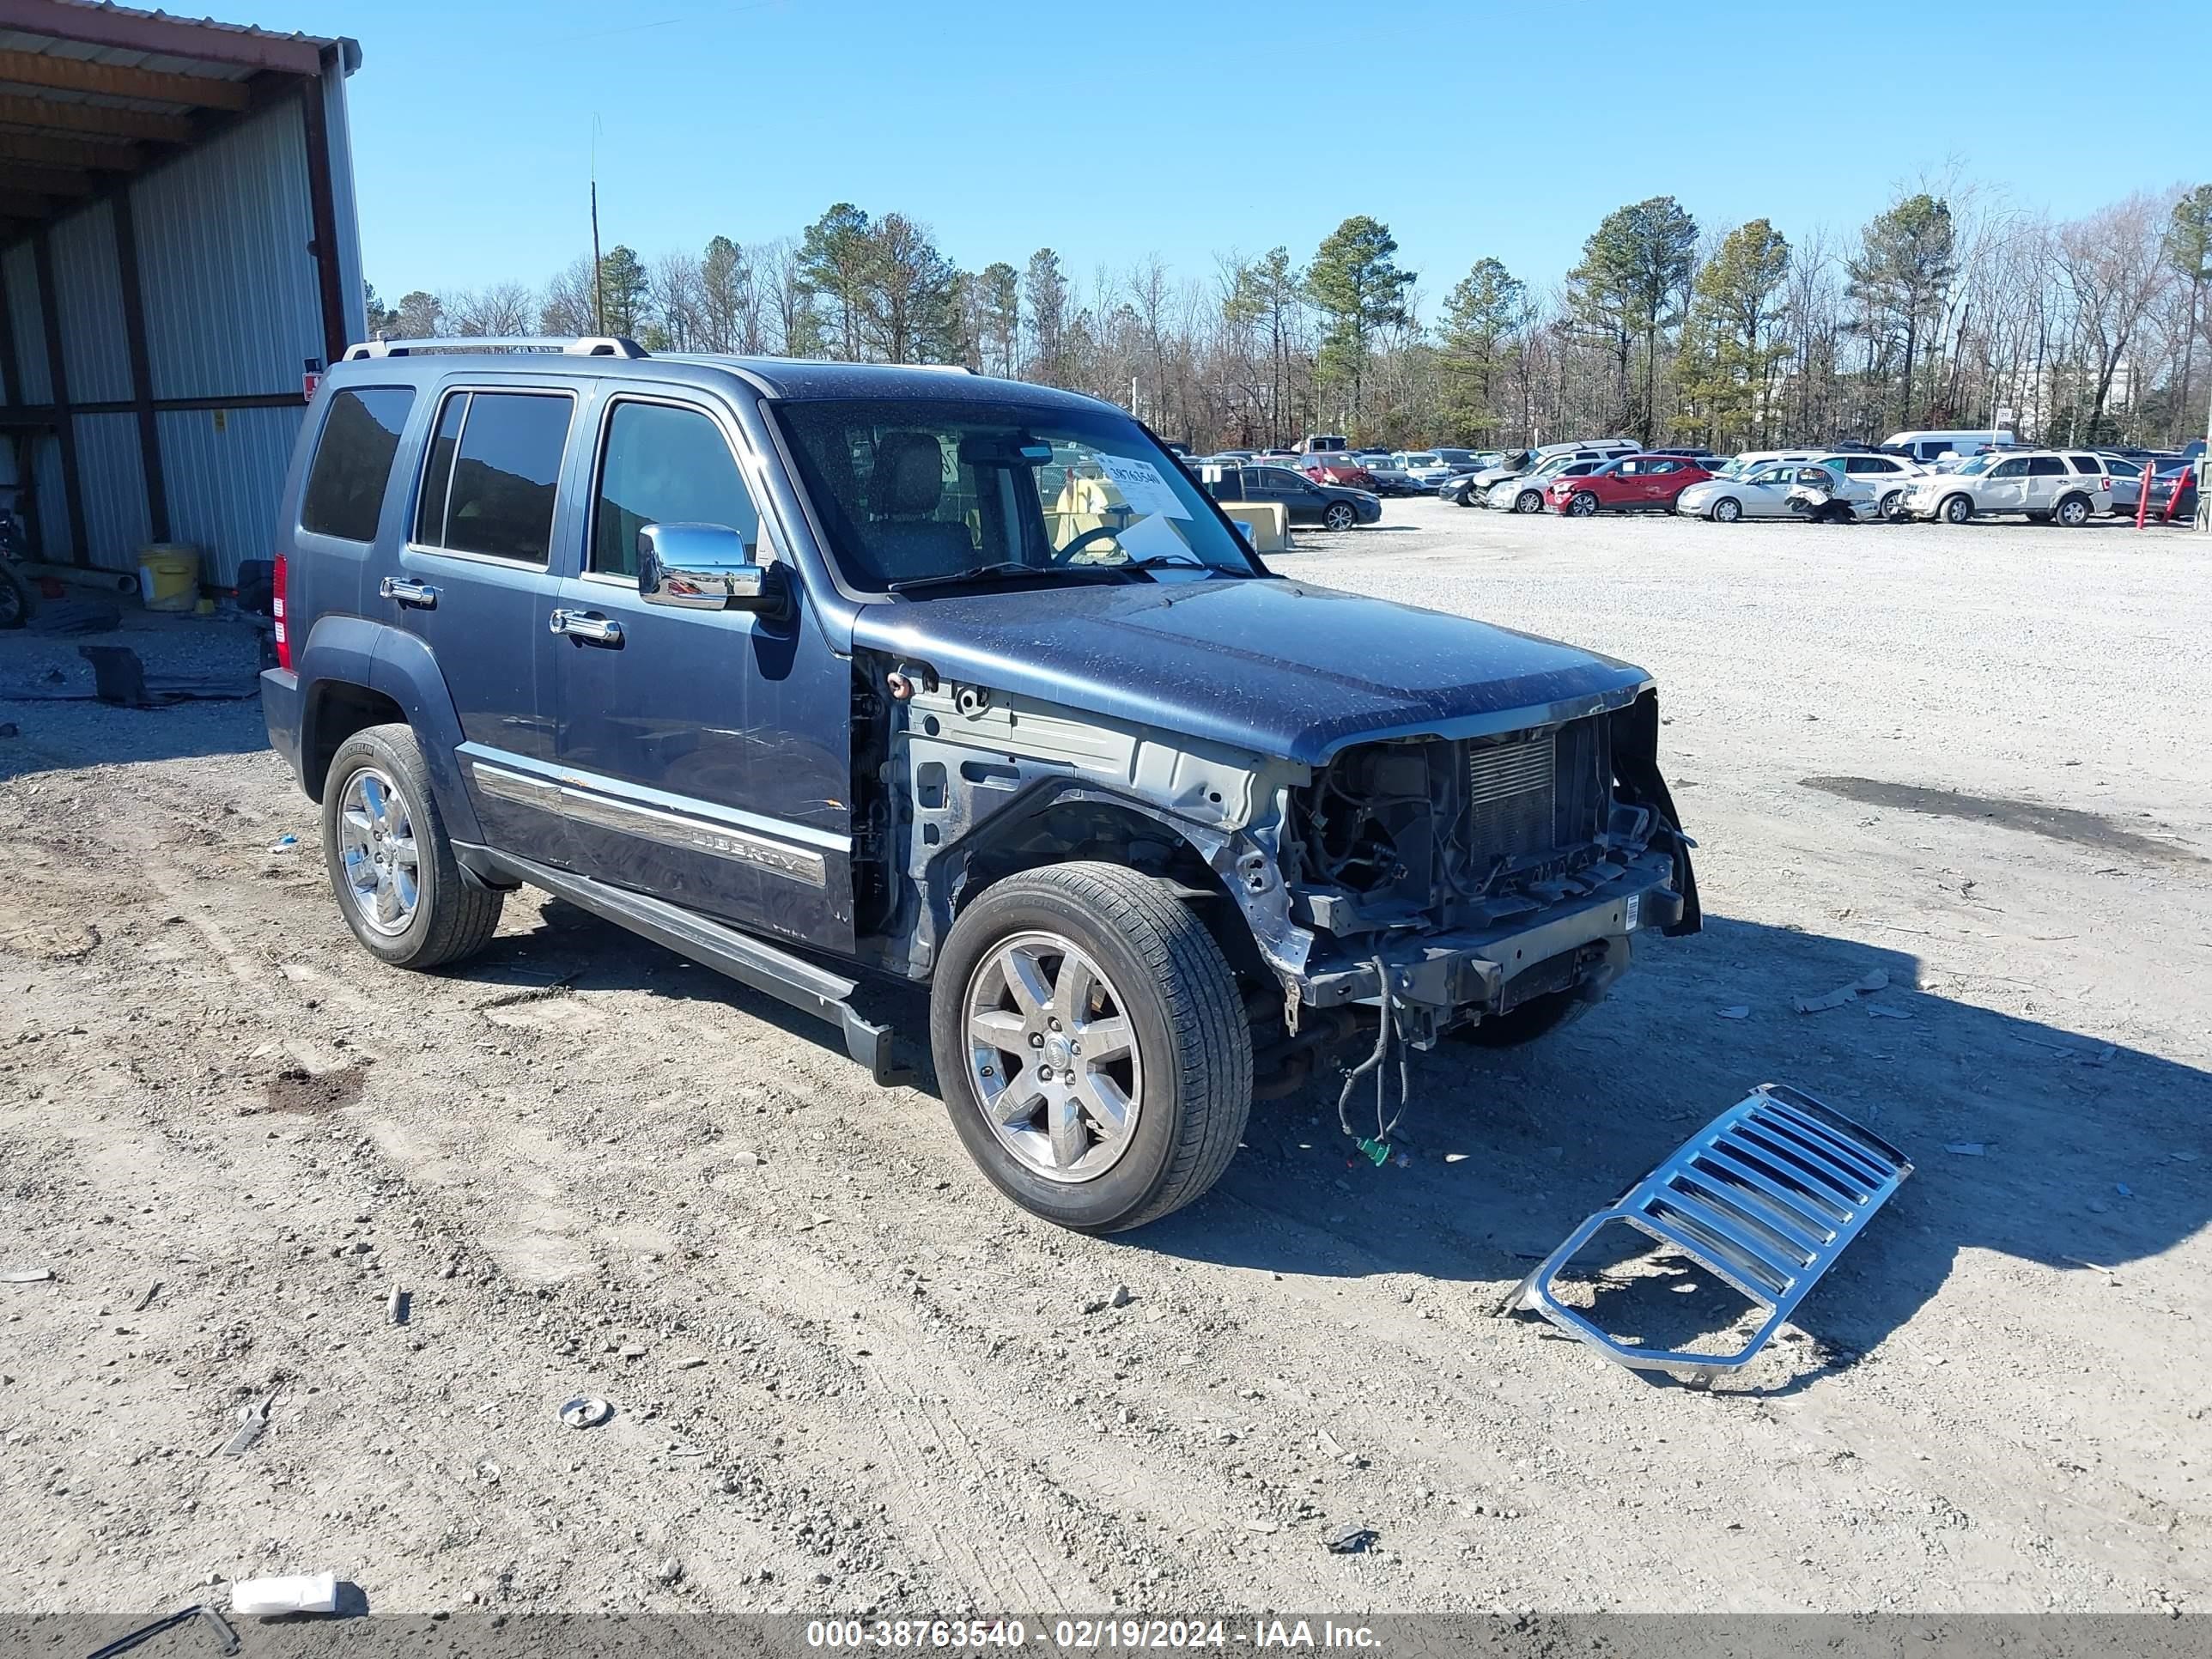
(847, 1376)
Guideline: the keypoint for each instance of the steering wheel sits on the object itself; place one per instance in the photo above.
(1065, 554)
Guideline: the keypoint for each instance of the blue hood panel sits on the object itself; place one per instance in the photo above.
(1272, 668)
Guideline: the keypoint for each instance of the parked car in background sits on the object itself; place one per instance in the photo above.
(1526, 493)
(2174, 494)
(1322, 443)
(1929, 447)
(1303, 500)
(1529, 462)
(1754, 460)
(1343, 469)
(1427, 467)
(1761, 493)
(1468, 489)
(1391, 477)
(1466, 460)
(2068, 486)
(1634, 484)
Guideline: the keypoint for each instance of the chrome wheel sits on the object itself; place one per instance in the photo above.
(2073, 512)
(1341, 517)
(1582, 505)
(376, 844)
(1728, 509)
(1053, 1057)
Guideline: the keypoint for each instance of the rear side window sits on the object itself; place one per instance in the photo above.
(489, 483)
(353, 462)
(662, 465)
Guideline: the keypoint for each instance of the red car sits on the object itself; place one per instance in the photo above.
(1337, 470)
(1631, 483)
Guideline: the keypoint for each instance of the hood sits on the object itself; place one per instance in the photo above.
(1267, 666)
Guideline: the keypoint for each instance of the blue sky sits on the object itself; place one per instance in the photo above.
(1118, 128)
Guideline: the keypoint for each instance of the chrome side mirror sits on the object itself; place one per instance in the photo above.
(704, 567)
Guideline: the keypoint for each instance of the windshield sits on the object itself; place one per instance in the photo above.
(1980, 464)
(917, 489)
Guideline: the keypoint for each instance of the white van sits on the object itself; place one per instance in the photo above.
(1929, 447)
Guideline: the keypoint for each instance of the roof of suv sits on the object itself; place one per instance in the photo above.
(791, 379)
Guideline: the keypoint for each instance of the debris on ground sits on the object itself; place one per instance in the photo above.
(1965, 1148)
(283, 843)
(1842, 994)
(226, 1638)
(146, 1300)
(1353, 1541)
(586, 1412)
(1836, 1177)
(272, 1598)
(1739, 1011)
(398, 1304)
(26, 1275)
(252, 1421)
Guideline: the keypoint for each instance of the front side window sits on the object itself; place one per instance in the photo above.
(344, 497)
(2009, 470)
(920, 490)
(662, 465)
(490, 482)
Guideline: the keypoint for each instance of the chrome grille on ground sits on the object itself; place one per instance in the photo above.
(1510, 793)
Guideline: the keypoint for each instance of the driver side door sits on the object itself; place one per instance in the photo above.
(2005, 488)
(704, 757)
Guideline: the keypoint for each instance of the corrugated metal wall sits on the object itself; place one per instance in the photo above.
(233, 309)
(231, 306)
(226, 470)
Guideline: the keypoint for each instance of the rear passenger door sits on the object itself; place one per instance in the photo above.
(705, 755)
(2046, 482)
(474, 585)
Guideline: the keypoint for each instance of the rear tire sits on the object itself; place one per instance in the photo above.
(1892, 507)
(1528, 501)
(2073, 513)
(446, 918)
(1178, 1000)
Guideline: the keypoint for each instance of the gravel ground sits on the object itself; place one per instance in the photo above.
(846, 1375)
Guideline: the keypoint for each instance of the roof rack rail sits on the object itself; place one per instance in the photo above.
(584, 345)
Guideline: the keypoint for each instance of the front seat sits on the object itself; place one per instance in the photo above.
(903, 493)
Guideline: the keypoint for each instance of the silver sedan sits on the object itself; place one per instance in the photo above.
(1764, 494)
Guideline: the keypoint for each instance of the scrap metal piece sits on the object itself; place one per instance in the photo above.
(252, 1421)
(1764, 1198)
(226, 1638)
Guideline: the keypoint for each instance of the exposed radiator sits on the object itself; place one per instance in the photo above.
(1511, 799)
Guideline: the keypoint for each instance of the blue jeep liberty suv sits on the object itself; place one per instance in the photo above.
(810, 670)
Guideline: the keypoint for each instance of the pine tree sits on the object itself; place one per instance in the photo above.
(1044, 291)
(2189, 251)
(836, 261)
(1480, 312)
(1355, 282)
(1729, 350)
(623, 284)
(1905, 262)
(1635, 268)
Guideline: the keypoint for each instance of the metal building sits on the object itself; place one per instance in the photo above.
(179, 249)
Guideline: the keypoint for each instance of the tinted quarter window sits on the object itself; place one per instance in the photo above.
(2043, 466)
(663, 465)
(438, 473)
(506, 468)
(353, 462)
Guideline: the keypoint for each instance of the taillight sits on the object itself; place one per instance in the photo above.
(277, 609)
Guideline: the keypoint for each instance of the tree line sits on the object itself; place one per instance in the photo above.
(1950, 307)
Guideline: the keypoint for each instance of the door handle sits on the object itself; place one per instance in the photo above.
(586, 628)
(409, 591)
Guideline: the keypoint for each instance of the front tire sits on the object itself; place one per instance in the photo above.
(1581, 504)
(1049, 961)
(15, 600)
(1528, 501)
(391, 863)
(1727, 510)
(1341, 515)
(1956, 509)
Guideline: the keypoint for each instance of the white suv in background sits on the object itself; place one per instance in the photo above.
(2068, 486)
(1886, 478)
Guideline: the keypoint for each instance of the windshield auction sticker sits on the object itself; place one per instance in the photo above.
(1141, 486)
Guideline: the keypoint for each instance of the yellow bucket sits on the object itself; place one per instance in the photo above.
(169, 576)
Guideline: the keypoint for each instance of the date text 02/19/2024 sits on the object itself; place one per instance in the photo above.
(1089, 1635)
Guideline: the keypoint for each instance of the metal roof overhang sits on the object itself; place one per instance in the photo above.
(91, 93)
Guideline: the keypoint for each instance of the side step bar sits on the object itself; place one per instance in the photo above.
(749, 961)
(1764, 1198)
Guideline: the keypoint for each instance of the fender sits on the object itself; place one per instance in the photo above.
(354, 650)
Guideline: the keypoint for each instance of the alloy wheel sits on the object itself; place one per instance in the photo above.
(1052, 1055)
(376, 843)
